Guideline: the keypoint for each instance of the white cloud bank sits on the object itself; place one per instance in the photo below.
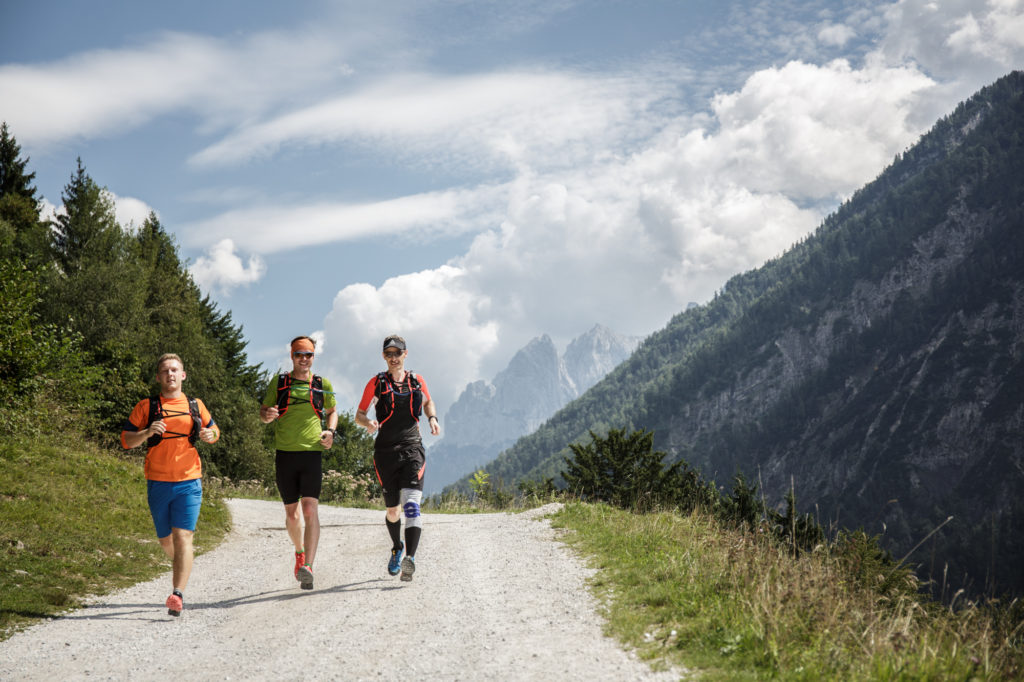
(470, 118)
(629, 241)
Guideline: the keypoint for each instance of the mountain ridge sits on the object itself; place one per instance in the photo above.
(871, 366)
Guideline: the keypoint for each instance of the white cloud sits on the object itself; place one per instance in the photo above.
(836, 35)
(963, 43)
(269, 228)
(107, 91)
(444, 324)
(223, 270)
(131, 213)
(49, 211)
(809, 132)
(479, 119)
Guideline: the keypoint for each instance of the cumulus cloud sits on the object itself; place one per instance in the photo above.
(962, 43)
(806, 131)
(222, 269)
(444, 323)
(131, 213)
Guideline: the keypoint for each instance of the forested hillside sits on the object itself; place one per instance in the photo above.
(876, 367)
(86, 307)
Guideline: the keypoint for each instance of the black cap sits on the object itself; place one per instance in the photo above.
(394, 343)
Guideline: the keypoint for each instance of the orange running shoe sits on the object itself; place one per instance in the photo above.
(300, 560)
(174, 605)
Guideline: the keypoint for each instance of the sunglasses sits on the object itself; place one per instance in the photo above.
(393, 354)
(302, 354)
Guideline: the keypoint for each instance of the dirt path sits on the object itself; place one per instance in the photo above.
(495, 596)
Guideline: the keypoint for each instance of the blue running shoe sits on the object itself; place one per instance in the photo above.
(408, 568)
(395, 564)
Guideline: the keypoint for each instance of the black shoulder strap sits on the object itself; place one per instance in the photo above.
(154, 415)
(284, 384)
(197, 420)
(316, 395)
(383, 382)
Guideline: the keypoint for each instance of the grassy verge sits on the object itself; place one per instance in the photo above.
(74, 522)
(684, 591)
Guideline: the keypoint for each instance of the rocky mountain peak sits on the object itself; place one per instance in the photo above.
(488, 416)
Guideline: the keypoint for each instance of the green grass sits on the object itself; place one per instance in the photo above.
(74, 522)
(684, 591)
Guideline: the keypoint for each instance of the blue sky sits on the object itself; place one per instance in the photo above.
(473, 174)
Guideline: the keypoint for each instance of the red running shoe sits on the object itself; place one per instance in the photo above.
(305, 577)
(300, 560)
(174, 605)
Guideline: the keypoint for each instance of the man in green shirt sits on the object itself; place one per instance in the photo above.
(301, 401)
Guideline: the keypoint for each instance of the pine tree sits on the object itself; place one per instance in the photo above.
(22, 234)
(13, 178)
(622, 470)
(87, 227)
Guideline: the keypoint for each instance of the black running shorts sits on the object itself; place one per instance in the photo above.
(398, 468)
(299, 474)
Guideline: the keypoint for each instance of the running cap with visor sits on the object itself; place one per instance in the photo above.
(394, 343)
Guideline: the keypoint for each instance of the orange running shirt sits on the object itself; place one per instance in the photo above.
(174, 458)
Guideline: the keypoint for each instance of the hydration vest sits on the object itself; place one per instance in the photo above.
(156, 413)
(316, 393)
(385, 393)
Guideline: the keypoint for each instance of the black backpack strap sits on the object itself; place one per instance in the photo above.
(316, 395)
(197, 420)
(382, 389)
(382, 384)
(284, 390)
(416, 396)
(155, 413)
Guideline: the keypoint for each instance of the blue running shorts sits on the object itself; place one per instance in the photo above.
(174, 504)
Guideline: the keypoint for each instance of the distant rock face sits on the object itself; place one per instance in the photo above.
(490, 416)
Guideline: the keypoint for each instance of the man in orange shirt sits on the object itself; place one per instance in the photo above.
(171, 424)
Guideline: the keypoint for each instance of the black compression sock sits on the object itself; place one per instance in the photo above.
(395, 531)
(412, 540)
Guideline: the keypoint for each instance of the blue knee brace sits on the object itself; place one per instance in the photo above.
(411, 507)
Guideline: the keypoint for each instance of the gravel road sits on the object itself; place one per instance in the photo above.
(495, 597)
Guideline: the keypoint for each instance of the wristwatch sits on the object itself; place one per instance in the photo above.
(334, 433)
